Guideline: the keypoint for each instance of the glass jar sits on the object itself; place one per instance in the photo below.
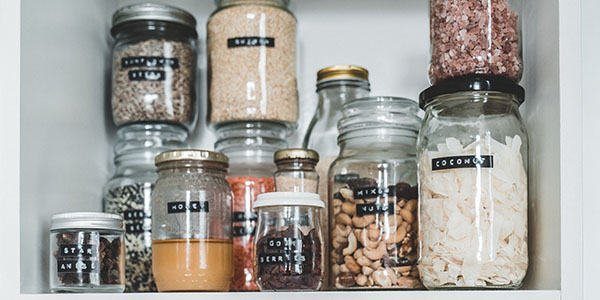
(475, 37)
(191, 222)
(472, 155)
(373, 196)
(86, 253)
(252, 62)
(128, 193)
(250, 147)
(288, 244)
(154, 65)
(296, 170)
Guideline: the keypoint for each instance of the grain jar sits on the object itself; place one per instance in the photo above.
(296, 170)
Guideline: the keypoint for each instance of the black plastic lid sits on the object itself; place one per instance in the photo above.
(472, 83)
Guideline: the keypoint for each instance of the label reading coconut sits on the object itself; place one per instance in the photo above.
(462, 162)
(250, 41)
(374, 209)
(76, 250)
(344, 178)
(146, 75)
(183, 207)
(374, 192)
(149, 62)
(243, 230)
(74, 266)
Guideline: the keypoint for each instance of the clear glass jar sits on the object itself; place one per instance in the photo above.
(472, 155)
(86, 253)
(128, 193)
(191, 222)
(475, 37)
(373, 196)
(296, 170)
(289, 244)
(251, 48)
(250, 147)
(154, 65)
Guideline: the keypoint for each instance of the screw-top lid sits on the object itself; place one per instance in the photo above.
(342, 72)
(288, 199)
(87, 220)
(191, 154)
(296, 153)
(153, 12)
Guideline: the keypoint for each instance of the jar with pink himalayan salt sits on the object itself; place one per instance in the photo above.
(475, 37)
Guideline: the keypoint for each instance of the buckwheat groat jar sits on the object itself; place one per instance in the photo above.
(373, 196)
(252, 62)
(472, 155)
(154, 65)
(191, 222)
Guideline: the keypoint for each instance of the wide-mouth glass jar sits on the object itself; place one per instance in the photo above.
(191, 222)
(472, 155)
(288, 245)
(373, 196)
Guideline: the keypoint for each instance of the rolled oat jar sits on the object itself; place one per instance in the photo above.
(472, 156)
(373, 196)
(475, 37)
(252, 62)
(154, 65)
(296, 170)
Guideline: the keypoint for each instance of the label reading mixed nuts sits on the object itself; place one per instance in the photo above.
(374, 192)
(462, 162)
(76, 250)
(149, 62)
(75, 266)
(183, 207)
(374, 209)
(250, 41)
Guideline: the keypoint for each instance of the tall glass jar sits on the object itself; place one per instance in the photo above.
(250, 147)
(154, 65)
(475, 37)
(191, 222)
(252, 62)
(472, 155)
(128, 193)
(296, 170)
(373, 196)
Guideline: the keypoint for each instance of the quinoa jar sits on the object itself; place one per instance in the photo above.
(472, 155)
(154, 65)
(252, 62)
(475, 37)
(373, 196)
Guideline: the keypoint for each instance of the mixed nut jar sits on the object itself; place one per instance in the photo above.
(288, 242)
(475, 37)
(373, 196)
(128, 193)
(252, 62)
(472, 155)
(296, 170)
(191, 222)
(86, 253)
(154, 65)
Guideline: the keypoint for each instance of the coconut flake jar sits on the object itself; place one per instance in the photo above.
(472, 156)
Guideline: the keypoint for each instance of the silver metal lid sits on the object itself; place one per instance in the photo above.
(153, 12)
(87, 220)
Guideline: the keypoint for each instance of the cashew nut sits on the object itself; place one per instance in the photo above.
(345, 279)
(374, 234)
(363, 261)
(364, 221)
(375, 254)
(349, 208)
(344, 269)
(397, 237)
(352, 244)
(392, 275)
(343, 219)
(381, 278)
(402, 269)
(375, 265)
(335, 269)
(339, 241)
(352, 265)
(367, 270)
(362, 280)
(337, 206)
(407, 215)
(347, 194)
(411, 205)
(358, 254)
(342, 230)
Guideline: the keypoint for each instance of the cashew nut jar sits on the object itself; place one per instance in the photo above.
(373, 196)
(472, 155)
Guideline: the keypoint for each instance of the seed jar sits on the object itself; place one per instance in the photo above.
(296, 170)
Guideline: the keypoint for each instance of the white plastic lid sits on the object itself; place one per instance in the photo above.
(288, 199)
(87, 220)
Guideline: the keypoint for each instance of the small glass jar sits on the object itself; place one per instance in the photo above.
(288, 242)
(296, 170)
(475, 37)
(251, 48)
(128, 193)
(472, 155)
(86, 253)
(154, 65)
(373, 196)
(191, 222)
(250, 147)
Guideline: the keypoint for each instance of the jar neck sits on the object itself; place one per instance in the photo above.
(473, 103)
(250, 139)
(276, 3)
(192, 167)
(344, 89)
(379, 142)
(141, 139)
(296, 165)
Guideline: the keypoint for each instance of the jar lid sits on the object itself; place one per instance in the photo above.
(191, 154)
(296, 153)
(342, 72)
(86, 220)
(472, 83)
(153, 12)
(288, 199)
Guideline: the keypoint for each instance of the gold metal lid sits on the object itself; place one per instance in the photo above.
(191, 154)
(342, 72)
(296, 153)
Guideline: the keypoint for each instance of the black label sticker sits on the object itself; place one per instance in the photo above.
(462, 162)
(76, 250)
(284, 244)
(344, 178)
(244, 230)
(182, 207)
(137, 228)
(146, 75)
(243, 216)
(134, 221)
(149, 62)
(74, 266)
(134, 215)
(250, 41)
(374, 192)
(375, 209)
(282, 258)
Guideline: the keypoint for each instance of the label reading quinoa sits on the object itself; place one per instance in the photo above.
(149, 61)
(146, 75)
(250, 41)
(462, 162)
(74, 266)
(76, 250)
(182, 207)
(374, 209)
(374, 192)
